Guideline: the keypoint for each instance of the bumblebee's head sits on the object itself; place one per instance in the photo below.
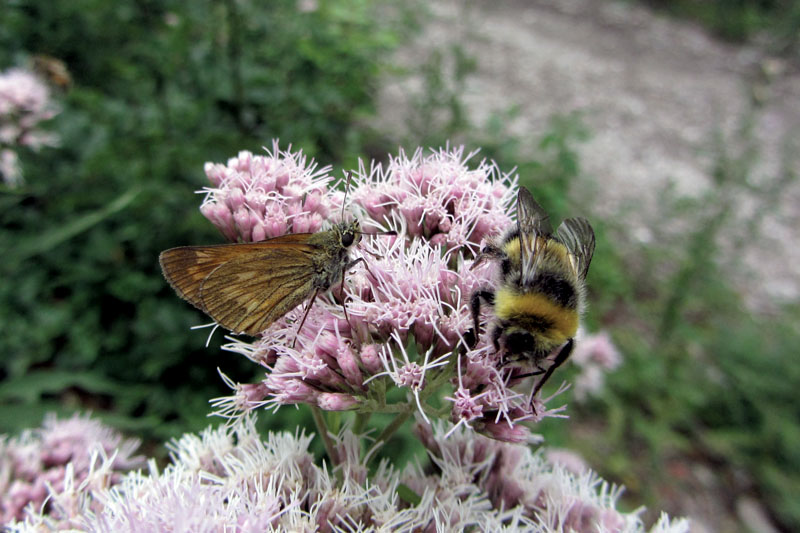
(519, 342)
(349, 233)
(522, 344)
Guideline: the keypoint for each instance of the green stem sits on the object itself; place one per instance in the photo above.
(361, 422)
(322, 429)
(369, 408)
(387, 433)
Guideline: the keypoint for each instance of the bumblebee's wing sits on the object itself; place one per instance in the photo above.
(578, 236)
(531, 217)
(533, 222)
(243, 287)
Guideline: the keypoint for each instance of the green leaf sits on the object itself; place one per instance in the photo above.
(408, 495)
(76, 226)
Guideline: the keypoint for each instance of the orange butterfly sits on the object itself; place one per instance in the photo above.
(246, 287)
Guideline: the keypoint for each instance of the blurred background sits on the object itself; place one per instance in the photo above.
(673, 125)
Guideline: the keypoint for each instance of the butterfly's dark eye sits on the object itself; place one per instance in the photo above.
(347, 239)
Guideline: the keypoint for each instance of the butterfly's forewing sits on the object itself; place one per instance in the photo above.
(243, 287)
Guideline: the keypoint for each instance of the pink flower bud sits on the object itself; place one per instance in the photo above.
(423, 334)
(290, 391)
(349, 366)
(259, 232)
(440, 239)
(327, 344)
(568, 459)
(312, 201)
(336, 401)
(371, 359)
(301, 224)
(241, 219)
(314, 222)
(503, 431)
(234, 199)
(275, 226)
(242, 161)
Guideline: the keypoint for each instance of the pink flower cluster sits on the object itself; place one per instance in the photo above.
(438, 198)
(60, 453)
(24, 103)
(407, 305)
(255, 197)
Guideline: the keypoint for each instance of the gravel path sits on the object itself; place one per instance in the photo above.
(653, 91)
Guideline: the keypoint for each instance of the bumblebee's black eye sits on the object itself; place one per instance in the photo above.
(348, 238)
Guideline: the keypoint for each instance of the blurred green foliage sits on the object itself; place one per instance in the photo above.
(86, 320)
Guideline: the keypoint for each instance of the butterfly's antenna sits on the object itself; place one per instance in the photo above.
(390, 232)
(346, 190)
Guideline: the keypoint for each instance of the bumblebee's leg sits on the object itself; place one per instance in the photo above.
(475, 304)
(475, 309)
(538, 372)
(496, 334)
(562, 356)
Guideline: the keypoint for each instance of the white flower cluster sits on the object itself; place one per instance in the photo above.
(24, 104)
(230, 480)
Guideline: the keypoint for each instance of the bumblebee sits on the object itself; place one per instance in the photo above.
(541, 293)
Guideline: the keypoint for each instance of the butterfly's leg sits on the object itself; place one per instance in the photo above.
(348, 266)
(305, 315)
(353, 263)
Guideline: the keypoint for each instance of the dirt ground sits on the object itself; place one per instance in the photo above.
(654, 93)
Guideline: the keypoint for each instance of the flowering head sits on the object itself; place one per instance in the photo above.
(438, 197)
(402, 315)
(24, 104)
(256, 197)
(61, 454)
(595, 355)
(230, 478)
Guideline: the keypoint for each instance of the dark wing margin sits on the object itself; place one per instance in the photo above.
(534, 226)
(578, 236)
(243, 287)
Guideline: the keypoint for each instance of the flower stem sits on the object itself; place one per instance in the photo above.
(361, 422)
(322, 429)
(388, 431)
